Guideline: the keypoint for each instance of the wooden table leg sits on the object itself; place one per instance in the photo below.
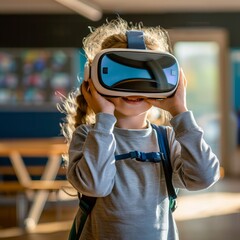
(21, 208)
(20, 168)
(41, 196)
(24, 178)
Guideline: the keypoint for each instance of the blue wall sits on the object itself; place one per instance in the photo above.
(30, 124)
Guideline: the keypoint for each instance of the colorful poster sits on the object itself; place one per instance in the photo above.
(36, 76)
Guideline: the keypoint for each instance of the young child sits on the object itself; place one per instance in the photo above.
(132, 199)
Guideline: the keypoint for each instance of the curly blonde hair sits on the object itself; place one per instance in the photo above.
(112, 34)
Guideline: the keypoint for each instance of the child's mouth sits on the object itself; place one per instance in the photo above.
(133, 99)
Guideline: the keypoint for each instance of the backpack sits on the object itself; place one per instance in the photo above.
(87, 203)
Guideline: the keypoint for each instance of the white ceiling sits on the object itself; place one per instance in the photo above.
(120, 6)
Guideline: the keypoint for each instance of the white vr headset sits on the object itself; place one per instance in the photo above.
(134, 71)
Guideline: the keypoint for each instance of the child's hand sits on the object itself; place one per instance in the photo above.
(177, 103)
(94, 100)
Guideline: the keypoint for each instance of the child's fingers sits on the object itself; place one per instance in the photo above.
(92, 90)
(91, 86)
(84, 87)
(183, 79)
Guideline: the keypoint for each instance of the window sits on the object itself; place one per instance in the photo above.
(204, 56)
(200, 62)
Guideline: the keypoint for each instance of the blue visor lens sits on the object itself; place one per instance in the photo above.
(147, 72)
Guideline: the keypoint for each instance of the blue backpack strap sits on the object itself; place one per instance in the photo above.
(72, 234)
(141, 156)
(135, 39)
(86, 204)
(167, 167)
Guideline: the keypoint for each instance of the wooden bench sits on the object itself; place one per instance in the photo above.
(14, 186)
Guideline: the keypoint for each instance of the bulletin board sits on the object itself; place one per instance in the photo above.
(36, 77)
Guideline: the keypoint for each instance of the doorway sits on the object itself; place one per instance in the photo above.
(203, 55)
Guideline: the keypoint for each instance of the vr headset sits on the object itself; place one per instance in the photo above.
(134, 71)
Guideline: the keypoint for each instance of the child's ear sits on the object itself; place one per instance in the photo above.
(87, 71)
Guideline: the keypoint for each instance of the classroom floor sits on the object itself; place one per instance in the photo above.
(212, 214)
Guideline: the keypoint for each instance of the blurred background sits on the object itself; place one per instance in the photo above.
(41, 61)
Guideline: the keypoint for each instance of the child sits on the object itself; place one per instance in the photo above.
(132, 200)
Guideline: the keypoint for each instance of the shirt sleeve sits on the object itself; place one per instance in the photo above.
(91, 167)
(195, 166)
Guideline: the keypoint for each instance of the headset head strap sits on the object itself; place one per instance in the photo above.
(135, 39)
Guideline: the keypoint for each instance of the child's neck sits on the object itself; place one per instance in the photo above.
(132, 122)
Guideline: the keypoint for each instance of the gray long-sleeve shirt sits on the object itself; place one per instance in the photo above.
(132, 200)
